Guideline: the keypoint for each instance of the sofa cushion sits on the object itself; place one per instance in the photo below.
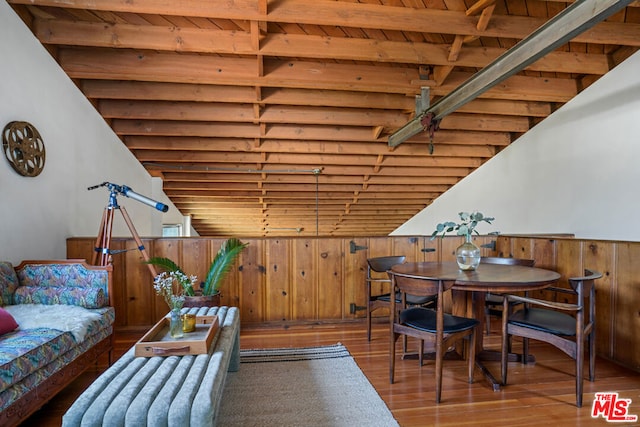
(8, 283)
(7, 322)
(23, 352)
(72, 275)
(32, 381)
(82, 297)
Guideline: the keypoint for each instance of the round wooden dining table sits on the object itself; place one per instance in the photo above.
(494, 278)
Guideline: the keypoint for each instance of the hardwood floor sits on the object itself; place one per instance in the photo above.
(538, 393)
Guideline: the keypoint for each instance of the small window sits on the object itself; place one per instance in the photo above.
(171, 230)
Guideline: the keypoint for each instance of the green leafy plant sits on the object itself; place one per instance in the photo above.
(466, 226)
(226, 256)
(173, 271)
(220, 266)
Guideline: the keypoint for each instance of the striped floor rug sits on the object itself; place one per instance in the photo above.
(294, 354)
(312, 386)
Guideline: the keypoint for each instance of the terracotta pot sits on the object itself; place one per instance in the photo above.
(202, 300)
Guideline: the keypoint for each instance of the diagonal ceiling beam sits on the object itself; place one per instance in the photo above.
(572, 21)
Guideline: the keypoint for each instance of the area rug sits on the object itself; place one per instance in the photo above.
(313, 386)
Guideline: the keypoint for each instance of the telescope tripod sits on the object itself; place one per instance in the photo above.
(102, 253)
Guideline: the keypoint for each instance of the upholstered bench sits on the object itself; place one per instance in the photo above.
(163, 391)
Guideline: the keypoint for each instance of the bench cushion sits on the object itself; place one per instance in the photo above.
(24, 352)
(162, 391)
(37, 377)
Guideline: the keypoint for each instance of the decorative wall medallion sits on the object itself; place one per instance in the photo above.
(23, 147)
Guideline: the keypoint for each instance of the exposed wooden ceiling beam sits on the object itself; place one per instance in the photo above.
(478, 148)
(197, 40)
(126, 65)
(137, 90)
(210, 112)
(359, 15)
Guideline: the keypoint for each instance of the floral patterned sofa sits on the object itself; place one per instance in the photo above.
(56, 320)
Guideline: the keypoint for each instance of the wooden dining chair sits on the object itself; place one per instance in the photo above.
(375, 299)
(493, 302)
(565, 325)
(427, 324)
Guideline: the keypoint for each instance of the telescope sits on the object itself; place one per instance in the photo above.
(102, 253)
(128, 192)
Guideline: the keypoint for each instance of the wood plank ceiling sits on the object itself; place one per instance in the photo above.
(271, 117)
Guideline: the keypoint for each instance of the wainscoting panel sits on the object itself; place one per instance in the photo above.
(283, 280)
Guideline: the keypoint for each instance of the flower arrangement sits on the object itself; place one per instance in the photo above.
(164, 283)
(466, 227)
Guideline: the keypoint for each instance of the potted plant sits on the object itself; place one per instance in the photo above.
(209, 292)
(467, 254)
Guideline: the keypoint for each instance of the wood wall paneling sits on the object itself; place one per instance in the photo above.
(278, 280)
(427, 244)
(626, 306)
(197, 254)
(600, 256)
(448, 247)
(521, 248)
(330, 276)
(119, 285)
(568, 259)
(544, 252)
(307, 279)
(407, 246)
(354, 275)
(141, 298)
(251, 282)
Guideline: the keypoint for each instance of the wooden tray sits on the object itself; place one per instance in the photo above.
(158, 341)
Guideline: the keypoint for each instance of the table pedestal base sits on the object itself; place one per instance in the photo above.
(493, 356)
(483, 356)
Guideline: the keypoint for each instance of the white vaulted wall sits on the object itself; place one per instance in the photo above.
(575, 172)
(38, 214)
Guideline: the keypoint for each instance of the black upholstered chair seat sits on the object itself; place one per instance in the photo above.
(434, 326)
(569, 326)
(544, 320)
(424, 319)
